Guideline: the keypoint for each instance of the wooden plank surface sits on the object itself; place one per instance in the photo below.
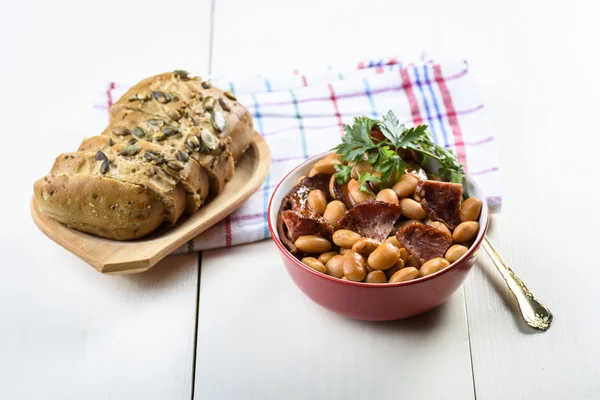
(260, 337)
(69, 332)
(66, 331)
(533, 65)
(542, 97)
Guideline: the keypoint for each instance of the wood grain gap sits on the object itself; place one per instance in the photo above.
(196, 324)
(211, 36)
(469, 341)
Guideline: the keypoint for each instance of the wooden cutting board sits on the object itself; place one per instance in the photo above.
(114, 257)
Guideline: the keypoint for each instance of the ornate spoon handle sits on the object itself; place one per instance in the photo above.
(534, 312)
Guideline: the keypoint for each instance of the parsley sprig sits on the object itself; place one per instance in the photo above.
(358, 145)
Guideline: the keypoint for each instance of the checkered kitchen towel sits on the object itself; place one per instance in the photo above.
(301, 114)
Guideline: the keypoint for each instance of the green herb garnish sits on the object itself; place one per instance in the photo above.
(367, 177)
(342, 173)
(359, 145)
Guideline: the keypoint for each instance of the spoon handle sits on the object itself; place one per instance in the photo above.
(534, 312)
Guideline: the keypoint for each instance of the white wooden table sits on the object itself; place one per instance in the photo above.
(216, 326)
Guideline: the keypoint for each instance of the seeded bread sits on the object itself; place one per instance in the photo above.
(176, 96)
(162, 185)
(98, 205)
(201, 144)
(170, 141)
(174, 162)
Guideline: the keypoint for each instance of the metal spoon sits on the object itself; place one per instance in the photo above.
(534, 312)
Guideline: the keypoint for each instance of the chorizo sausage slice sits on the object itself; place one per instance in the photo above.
(424, 242)
(372, 219)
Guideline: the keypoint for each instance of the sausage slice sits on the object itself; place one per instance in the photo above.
(424, 242)
(441, 200)
(372, 219)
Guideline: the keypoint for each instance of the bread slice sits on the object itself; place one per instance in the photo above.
(178, 95)
(192, 176)
(126, 169)
(171, 140)
(202, 145)
(99, 205)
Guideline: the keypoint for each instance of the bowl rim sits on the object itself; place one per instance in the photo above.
(474, 247)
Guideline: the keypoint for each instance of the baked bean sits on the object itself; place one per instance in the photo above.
(376, 276)
(418, 195)
(384, 256)
(334, 266)
(391, 271)
(406, 185)
(333, 156)
(300, 179)
(344, 278)
(411, 261)
(432, 266)
(325, 257)
(408, 222)
(393, 240)
(344, 251)
(317, 201)
(312, 173)
(365, 246)
(394, 268)
(400, 263)
(369, 269)
(331, 183)
(465, 231)
(405, 274)
(412, 209)
(440, 226)
(354, 266)
(345, 238)
(314, 264)
(387, 195)
(470, 209)
(333, 212)
(455, 252)
(358, 195)
(404, 255)
(360, 168)
(313, 244)
(326, 166)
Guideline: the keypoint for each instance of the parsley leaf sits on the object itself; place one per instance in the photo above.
(357, 141)
(450, 169)
(411, 135)
(342, 174)
(384, 153)
(367, 177)
(392, 167)
(392, 129)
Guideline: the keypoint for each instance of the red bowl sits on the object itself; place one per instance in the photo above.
(369, 301)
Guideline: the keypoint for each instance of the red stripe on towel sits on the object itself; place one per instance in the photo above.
(410, 95)
(451, 112)
(337, 110)
(227, 232)
(109, 98)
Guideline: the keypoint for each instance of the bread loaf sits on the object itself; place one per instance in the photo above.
(126, 169)
(182, 135)
(171, 140)
(122, 211)
(191, 98)
(191, 175)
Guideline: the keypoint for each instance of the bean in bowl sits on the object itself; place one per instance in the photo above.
(373, 211)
